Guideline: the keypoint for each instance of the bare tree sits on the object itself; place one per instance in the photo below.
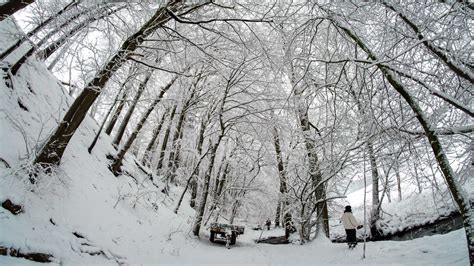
(173, 159)
(126, 119)
(94, 141)
(235, 76)
(200, 142)
(117, 159)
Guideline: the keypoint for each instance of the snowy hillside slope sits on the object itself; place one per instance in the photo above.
(83, 214)
(82, 207)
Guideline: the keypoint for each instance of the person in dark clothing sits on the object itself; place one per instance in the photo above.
(350, 224)
(268, 223)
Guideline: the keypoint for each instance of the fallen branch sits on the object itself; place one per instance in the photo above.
(34, 256)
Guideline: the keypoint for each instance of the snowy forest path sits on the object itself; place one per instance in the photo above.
(246, 251)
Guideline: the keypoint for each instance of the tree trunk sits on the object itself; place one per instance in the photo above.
(173, 163)
(164, 144)
(147, 156)
(463, 203)
(375, 212)
(205, 189)
(417, 179)
(399, 185)
(282, 177)
(194, 183)
(222, 180)
(218, 174)
(303, 226)
(233, 213)
(10, 7)
(388, 191)
(276, 142)
(194, 188)
(95, 107)
(115, 116)
(117, 161)
(188, 183)
(278, 213)
(118, 110)
(53, 150)
(103, 122)
(325, 216)
(312, 164)
(126, 119)
(135, 149)
(219, 186)
(177, 154)
(174, 159)
(207, 175)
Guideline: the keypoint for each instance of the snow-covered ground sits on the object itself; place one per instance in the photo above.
(82, 209)
(156, 248)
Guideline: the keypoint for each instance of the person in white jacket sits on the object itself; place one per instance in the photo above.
(350, 224)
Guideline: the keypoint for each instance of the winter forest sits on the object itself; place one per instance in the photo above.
(236, 132)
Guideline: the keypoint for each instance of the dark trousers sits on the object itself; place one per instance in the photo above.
(351, 236)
